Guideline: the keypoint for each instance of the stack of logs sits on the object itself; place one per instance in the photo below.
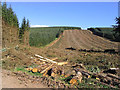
(55, 69)
(49, 67)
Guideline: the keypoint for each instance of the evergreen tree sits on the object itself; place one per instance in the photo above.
(22, 28)
(4, 11)
(15, 20)
(28, 25)
(10, 16)
(0, 10)
(23, 24)
(117, 29)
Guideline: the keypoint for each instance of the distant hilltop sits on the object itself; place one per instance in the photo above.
(35, 26)
(39, 26)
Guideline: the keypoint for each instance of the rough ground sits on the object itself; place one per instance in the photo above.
(10, 81)
(79, 39)
(84, 39)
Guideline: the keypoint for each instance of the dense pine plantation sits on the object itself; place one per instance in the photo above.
(104, 32)
(45, 35)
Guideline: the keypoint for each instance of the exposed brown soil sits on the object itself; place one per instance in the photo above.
(55, 41)
(9, 80)
(84, 39)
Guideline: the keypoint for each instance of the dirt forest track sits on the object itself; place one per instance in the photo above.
(84, 39)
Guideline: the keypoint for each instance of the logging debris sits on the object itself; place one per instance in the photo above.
(49, 67)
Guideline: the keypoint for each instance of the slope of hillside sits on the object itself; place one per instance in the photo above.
(24, 56)
(45, 35)
(84, 39)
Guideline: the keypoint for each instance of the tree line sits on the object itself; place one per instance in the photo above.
(10, 18)
(117, 29)
(112, 33)
(25, 27)
(43, 36)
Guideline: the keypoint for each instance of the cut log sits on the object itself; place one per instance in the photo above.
(39, 69)
(48, 60)
(28, 69)
(34, 70)
(62, 63)
(53, 74)
(86, 74)
(79, 76)
(45, 73)
(47, 69)
(54, 59)
(73, 81)
(38, 56)
(42, 60)
(67, 75)
(114, 68)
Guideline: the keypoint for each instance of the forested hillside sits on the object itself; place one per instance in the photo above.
(43, 36)
(109, 33)
(103, 32)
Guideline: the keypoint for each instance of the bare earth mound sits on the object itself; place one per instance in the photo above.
(84, 39)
